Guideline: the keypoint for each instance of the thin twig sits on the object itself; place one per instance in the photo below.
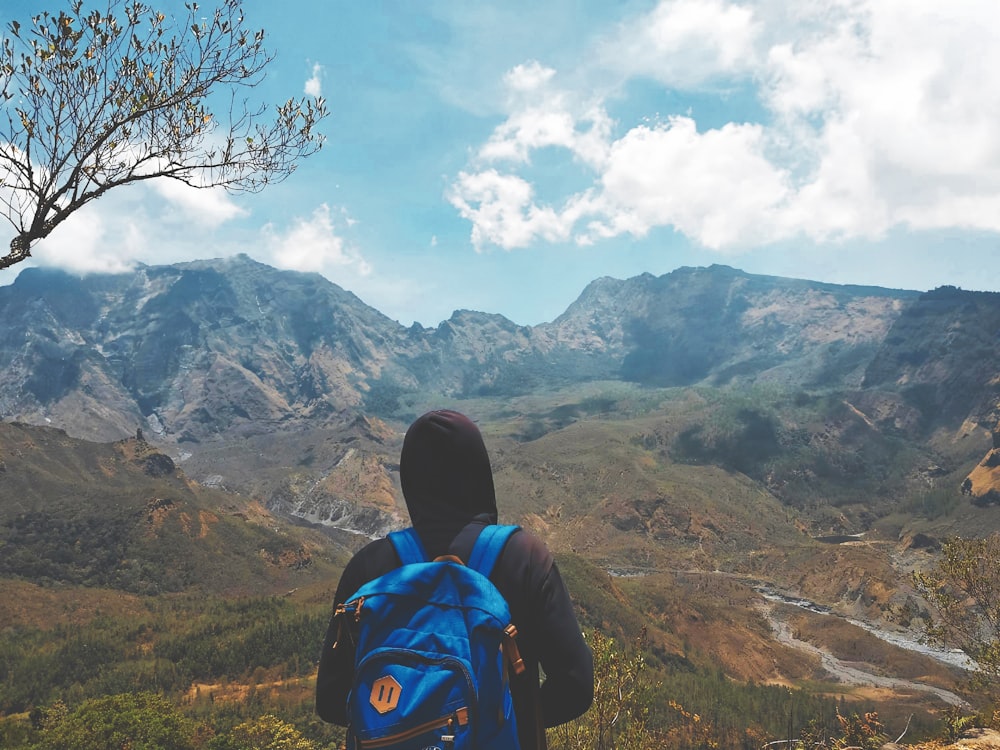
(905, 729)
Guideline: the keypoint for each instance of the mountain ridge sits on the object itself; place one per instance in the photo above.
(158, 347)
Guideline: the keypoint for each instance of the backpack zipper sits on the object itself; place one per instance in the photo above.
(460, 718)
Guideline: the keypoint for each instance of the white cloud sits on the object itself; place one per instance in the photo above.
(528, 77)
(86, 242)
(209, 206)
(314, 84)
(684, 43)
(716, 186)
(503, 212)
(313, 244)
(907, 105)
(878, 114)
(529, 130)
(542, 115)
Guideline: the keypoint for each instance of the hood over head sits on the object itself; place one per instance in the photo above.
(445, 471)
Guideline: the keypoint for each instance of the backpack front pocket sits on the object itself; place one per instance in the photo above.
(407, 699)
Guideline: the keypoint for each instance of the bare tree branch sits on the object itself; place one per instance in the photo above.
(99, 99)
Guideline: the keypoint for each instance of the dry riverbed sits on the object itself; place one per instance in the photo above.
(869, 665)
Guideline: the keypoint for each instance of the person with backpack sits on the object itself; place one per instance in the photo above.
(429, 639)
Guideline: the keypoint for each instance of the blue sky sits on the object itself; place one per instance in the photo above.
(499, 156)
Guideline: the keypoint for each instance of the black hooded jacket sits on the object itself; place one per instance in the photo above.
(448, 486)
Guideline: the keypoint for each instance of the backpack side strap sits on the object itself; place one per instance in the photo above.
(408, 546)
(488, 547)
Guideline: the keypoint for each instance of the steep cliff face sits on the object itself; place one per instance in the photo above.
(720, 325)
(943, 356)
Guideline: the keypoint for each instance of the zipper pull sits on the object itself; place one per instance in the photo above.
(338, 615)
(340, 633)
(448, 740)
(340, 612)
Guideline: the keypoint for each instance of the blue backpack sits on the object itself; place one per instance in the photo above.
(433, 648)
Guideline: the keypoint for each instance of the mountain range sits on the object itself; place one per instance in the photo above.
(193, 351)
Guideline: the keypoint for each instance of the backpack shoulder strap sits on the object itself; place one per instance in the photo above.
(408, 546)
(488, 547)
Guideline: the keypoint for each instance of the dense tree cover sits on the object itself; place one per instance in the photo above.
(148, 721)
(95, 100)
(85, 551)
(185, 641)
(265, 733)
(255, 658)
(138, 721)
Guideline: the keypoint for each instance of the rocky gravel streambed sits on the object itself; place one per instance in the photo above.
(854, 673)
